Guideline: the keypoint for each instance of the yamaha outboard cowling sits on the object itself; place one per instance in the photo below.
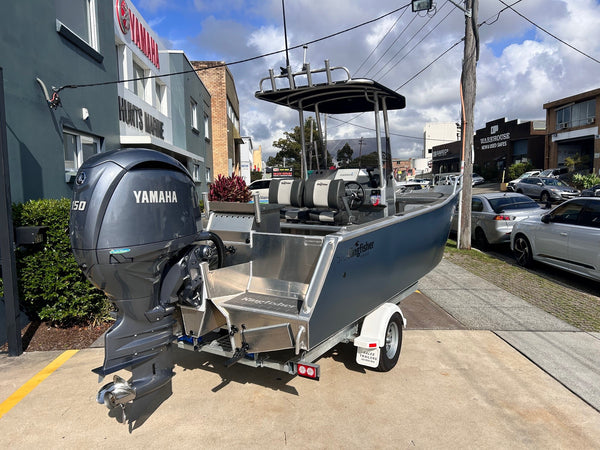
(134, 215)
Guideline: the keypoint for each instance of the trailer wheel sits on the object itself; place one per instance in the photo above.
(390, 351)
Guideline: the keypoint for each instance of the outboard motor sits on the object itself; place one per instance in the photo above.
(134, 232)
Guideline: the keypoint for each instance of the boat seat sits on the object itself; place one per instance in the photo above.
(324, 200)
(289, 194)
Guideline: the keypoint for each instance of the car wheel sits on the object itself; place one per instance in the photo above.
(545, 197)
(522, 251)
(481, 241)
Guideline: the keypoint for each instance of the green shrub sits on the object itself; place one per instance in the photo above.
(51, 286)
(516, 170)
(585, 181)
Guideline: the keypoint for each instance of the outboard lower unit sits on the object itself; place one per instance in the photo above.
(135, 232)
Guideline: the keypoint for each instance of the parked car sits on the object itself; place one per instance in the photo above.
(494, 214)
(530, 173)
(567, 237)
(594, 191)
(554, 173)
(477, 179)
(445, 179)
(546, 189)
(262, 187)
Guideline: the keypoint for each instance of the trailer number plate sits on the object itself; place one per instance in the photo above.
(367, 356)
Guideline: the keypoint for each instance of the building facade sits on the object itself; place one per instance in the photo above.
(87, 46)
(225, 116)
(500, 144)
(573, 131)
(496, 146)
(438, 133)
(157, 110)
(49, 134)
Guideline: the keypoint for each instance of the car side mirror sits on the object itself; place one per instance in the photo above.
(540, 184)
(546, 218)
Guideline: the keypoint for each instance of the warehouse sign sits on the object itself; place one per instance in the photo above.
(136, 117)
(496, 141)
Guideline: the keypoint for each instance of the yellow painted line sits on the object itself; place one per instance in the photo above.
(32, 383)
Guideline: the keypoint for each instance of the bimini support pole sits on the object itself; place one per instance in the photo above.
(389, 174)
(382, 180)
(303, 143)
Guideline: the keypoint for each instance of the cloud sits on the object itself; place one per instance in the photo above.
(520, 67)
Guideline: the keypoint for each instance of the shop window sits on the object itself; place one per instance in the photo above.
(576, 115)
(77, 148)
(196, 172)
(139, 83)
(159, 96)
(194, 114)
(206, 127)
(80, 17)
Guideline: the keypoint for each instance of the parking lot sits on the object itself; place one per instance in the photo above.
(479, 368)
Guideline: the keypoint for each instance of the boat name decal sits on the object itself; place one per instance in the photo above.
(155, 196)
(360, 249)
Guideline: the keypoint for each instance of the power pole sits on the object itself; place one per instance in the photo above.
(467, 99)
(468, 88)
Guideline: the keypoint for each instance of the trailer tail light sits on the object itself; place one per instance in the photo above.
(308, 370)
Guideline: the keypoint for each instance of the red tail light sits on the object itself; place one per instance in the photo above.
(308, 370)
(501, 217)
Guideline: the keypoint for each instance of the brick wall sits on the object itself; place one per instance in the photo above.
(215, 80)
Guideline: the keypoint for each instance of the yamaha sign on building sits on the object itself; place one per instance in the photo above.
(142, 102)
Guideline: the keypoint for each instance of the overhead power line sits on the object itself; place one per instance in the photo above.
(548, 33)
(253, 58)
(381, 40)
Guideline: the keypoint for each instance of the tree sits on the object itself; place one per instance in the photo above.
(290, 153)
(344, 156)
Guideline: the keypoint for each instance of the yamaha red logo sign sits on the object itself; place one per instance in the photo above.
(123, 16)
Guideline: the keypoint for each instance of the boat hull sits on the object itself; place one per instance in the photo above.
(374, 264)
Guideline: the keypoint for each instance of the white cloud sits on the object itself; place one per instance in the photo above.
(520, 67)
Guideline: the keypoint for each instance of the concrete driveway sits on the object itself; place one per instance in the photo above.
(454, 386)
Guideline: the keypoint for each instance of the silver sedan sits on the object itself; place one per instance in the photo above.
(546, 189)
(494, 214)
(568, 237)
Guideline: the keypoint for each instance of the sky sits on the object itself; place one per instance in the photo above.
(520, 66)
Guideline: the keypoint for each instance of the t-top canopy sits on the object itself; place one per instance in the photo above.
(339, 97)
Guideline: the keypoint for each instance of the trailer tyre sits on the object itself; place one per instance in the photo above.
(390, 351)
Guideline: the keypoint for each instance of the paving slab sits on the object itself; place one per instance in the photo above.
(450, 389)
(571, 358)
(480, 305)
(16, 370)
(423, 314)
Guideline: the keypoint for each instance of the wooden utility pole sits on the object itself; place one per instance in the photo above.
(468, 87)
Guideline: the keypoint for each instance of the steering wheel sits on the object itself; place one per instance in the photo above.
(355, 193)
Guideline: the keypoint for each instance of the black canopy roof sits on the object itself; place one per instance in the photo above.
(340, 97)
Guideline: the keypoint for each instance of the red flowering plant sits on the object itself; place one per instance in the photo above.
(229, 189)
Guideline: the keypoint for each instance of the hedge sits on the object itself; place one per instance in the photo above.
(52, 288)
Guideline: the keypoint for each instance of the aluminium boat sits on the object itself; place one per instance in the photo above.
(327, 260)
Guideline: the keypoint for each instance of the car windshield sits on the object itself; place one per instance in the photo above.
(553, 182)
(510, 203)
